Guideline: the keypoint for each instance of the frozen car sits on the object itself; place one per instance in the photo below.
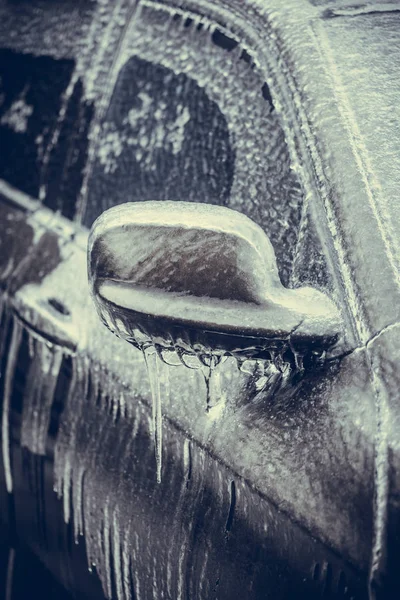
(287, 112)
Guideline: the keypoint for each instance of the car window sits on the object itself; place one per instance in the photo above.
(43, 127)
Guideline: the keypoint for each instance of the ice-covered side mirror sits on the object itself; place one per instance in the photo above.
(199, 282)
(200, 278)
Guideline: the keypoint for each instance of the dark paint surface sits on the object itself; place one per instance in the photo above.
(235, 527)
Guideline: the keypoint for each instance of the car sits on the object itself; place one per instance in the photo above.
(287, 113)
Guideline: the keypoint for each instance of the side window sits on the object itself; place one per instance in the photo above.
(162, 138)
(43, 128)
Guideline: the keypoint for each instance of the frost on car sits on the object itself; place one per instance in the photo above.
(288, 490)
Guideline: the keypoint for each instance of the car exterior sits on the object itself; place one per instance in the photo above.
(289, 114)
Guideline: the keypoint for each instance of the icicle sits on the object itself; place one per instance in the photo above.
(187, 459)
(120, 517)
(211, 379)
(42, 376)
(216, 391)
(91, 434)
(131, 549)
(126, 572)
(2, 306)
(107, 551)
(116, 556)
(6, 317)
(31, 346)
(8, 383)
(10, 574)
(77, 489)
(152, 364)
(66, 439)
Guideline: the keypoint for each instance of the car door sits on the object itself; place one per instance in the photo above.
(283, 490)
